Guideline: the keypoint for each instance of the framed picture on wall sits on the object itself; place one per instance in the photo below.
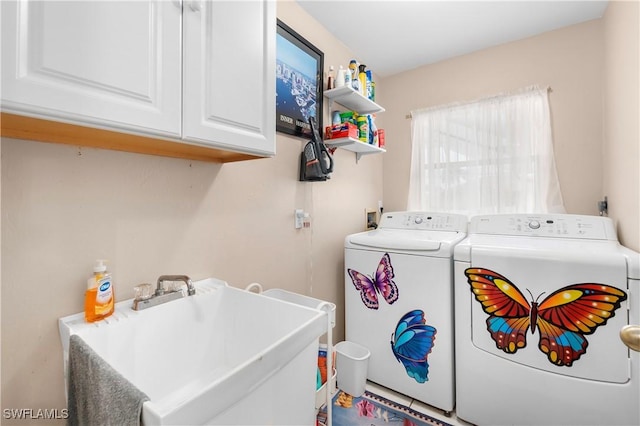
(299, 71)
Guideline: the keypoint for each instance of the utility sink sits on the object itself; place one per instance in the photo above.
(221, 356)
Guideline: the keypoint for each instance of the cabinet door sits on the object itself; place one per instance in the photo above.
(229, 74)
(101, 63)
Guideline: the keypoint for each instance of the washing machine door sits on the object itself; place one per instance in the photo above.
(552, 307)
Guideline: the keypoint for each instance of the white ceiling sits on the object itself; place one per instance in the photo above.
(394, 36)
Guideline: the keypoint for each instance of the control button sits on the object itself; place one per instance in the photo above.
(534, 224)
(418, 220)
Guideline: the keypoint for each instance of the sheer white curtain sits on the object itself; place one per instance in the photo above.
(494, 155)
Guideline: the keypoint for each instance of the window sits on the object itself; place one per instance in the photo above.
(490, 156)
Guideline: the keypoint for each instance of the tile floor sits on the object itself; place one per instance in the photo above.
(416, 405)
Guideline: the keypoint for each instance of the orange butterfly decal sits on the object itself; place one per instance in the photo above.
(563, 318)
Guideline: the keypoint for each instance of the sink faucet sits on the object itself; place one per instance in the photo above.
(160, 290)
(144, 299)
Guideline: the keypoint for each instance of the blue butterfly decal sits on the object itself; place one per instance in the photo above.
(412, 342)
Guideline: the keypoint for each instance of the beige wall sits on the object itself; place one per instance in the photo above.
(621, 148)
(583, 64)
(63, 207)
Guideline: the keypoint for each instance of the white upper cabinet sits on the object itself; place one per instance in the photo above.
(194, 72)
(229, 74)
(113, 64)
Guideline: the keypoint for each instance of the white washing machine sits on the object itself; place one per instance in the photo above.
(540, 301)
(399, 302)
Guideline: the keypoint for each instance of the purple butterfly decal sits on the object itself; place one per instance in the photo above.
(382, 283)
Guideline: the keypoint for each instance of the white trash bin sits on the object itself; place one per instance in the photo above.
(352, 361)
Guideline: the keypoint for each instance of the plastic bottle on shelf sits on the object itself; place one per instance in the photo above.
(331, 79)
(373, 131)
(363, 128)
(362, 77)
(353, 67)
(335, 118)
(369, 84)
(341, 78)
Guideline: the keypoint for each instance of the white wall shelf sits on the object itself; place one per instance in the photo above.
(354, 145)
(349, 98)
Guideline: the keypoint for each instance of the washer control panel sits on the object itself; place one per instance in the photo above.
(424, 221)
(558, 226)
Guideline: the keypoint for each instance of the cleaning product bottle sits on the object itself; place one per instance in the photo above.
(362, 77)
(373, 130)
(99, 297)
(322, 362)
(355, 83)
(363, 128)
(331, 80)
(340, 79)
(347, 78)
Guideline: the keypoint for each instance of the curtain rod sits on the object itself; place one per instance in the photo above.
(516, 92)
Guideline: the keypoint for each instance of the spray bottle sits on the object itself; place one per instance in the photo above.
(355, 83)
(362, 77)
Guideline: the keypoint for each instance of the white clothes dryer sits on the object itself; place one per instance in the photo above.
(539, 304)
(399, 302)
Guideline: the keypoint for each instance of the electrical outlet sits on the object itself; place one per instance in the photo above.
(298, 215)
(371, 219)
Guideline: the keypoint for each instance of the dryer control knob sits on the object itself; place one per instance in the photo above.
(534, 224)
(418, 220)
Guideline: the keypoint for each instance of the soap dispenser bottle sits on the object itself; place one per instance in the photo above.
(99, 297)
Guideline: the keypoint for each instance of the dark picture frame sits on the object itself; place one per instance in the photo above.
(299, 83)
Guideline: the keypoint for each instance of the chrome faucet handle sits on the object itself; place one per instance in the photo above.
(143, 291)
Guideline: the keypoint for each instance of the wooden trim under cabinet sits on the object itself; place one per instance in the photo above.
(36, 129)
